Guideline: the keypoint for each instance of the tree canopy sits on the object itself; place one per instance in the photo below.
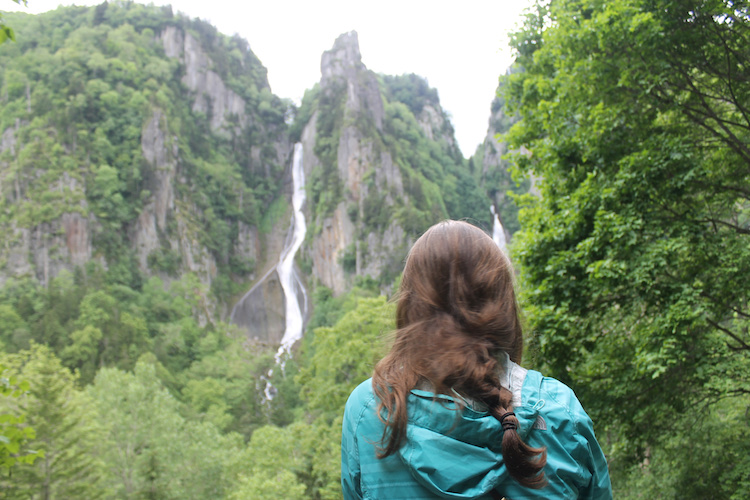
(635, 258)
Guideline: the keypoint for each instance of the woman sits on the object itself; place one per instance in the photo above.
(449, 413)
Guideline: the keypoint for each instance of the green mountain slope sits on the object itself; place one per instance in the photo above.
(382, 166)
(145, 141)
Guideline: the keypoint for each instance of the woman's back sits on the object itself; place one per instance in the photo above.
(458, 455)
(449, 413)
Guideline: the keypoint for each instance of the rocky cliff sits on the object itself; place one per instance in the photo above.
(492, 169)
(164, 162)
(161, 151)
(383, 165)
(362, 170)
(61, 238)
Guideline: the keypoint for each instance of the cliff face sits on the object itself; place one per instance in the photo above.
(155, 174)
(362, 168)
(56, 242)
(208, 91)
(164, 153)
(493, 170)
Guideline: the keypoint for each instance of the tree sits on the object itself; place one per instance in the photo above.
(107, 333)
(152, 450)
(336, 360)
(273, 463)
(340, 357)
(226, 384)
(634, 260)
(268, 485)
(14, 435)
(67, 432)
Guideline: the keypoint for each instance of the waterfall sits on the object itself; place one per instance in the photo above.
(291, 283)
(498, 232)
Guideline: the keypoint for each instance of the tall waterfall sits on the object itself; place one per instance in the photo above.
(288, 276)
(498, 232)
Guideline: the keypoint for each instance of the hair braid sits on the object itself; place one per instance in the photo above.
(456, 313)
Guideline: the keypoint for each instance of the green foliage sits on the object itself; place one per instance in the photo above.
(633, 258)
(225, 384)
(278, 457)
(153, 452)
(342, 356)
(6, 32)
(302, 459)
(324, 185)
(89, 323)
(349, 258)
(328, 309)
(304, 113)
(275, 211)
(14, 434)
(268, 484)
(437, 183)
(68, 434)
(411, 90)
(165, 260)
(696, 463)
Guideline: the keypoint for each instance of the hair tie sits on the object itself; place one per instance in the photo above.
(507, 426)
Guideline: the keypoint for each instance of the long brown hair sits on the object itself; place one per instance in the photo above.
(456, 313)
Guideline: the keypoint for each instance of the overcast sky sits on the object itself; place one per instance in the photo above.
(460, 50)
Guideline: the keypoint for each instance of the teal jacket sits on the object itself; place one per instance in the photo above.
(450, 455)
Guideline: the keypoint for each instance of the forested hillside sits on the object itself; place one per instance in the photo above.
(146, 190)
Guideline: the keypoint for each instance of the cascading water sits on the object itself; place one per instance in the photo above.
(288, 276)
(245, 311)
(498, 233)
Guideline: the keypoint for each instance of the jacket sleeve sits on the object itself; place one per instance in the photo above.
(350, 468)
(592, 458)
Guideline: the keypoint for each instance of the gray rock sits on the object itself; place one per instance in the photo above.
(358, 159)
(261, 311)
(210, 94)
(344, 62)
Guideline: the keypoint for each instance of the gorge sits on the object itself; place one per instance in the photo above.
(377, 153)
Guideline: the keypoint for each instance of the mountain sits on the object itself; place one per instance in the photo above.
(143, 142)
(382, 165)
(149, 144)
(155, 249)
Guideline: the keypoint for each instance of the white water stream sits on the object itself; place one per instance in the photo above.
(288, 276)
(498, 233)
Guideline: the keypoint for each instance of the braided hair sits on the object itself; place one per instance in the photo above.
(456, 313)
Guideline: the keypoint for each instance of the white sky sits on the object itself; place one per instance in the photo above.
(460, 50)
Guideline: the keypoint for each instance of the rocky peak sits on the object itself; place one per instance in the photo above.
(365, 170)
(494, 149)
(343, 60)
(343, 64)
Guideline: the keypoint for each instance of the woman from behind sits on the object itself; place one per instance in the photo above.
(449, 412)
